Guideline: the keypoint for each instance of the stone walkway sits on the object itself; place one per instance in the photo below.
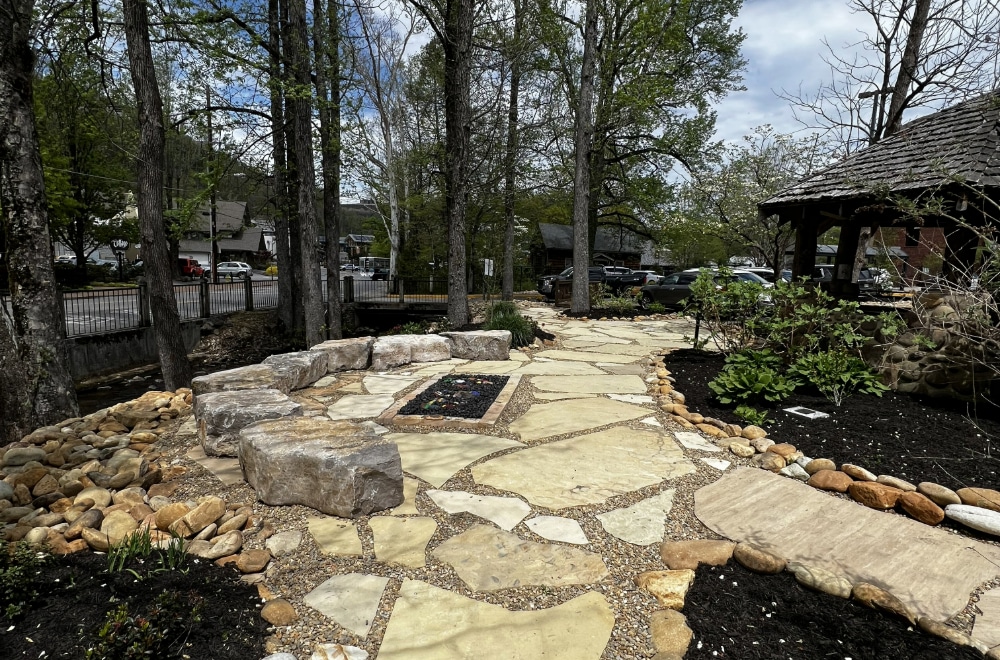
(539, 528)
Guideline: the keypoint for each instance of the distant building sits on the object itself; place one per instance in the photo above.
(613, 246)
(358, 245)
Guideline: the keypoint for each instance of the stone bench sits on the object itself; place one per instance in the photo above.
(479, 344)
(337, 467)
(222, 415)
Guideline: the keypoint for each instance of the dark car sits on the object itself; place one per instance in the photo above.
(380, 274)
(676, 287)
(870, 284)
(547, 284)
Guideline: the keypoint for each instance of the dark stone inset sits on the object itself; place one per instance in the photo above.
(457, 395)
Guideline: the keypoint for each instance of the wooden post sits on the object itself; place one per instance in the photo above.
(843, 284)
(806, 241)
(248, 292)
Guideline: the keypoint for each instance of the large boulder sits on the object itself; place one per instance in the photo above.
(250, 377)
(337, 467)
(397, 350)
(479, 344)
(303, 368)
(346, 354)
(222, 415)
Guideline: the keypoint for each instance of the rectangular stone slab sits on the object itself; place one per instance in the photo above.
(930, 570)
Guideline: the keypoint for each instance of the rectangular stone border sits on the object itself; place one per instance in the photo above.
(489, 418)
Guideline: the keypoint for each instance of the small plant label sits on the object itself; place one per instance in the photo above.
(808, 413)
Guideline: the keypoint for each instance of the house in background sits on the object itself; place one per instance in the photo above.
(613, 246)
(951, 157)
(358, 245)
(230, 231)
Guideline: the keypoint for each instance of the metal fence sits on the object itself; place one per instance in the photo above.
(113, 309)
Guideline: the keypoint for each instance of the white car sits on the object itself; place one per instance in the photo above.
(234, 269)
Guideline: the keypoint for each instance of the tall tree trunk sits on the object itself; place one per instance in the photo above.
(457, 70)
(282, 254)
(328, 98)
(510, 165)
(581, 178)
(36, 388)
(907, 67)
(149, 161)
(312, 294)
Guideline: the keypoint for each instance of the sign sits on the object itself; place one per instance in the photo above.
(119, 245)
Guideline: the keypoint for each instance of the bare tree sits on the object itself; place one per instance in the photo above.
(581, 180)
(149, 164)
(36, 387)
(451, 21)
(917, 54)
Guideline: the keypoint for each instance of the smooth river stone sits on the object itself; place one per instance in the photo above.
(504, 512)
(587, 469)
(983, 520)
(429, 623)
(642, 523)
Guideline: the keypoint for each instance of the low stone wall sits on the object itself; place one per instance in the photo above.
(944, 353)
(93, 355)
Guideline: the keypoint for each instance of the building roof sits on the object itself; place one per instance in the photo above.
(228, 217)
(245, 241)
(961, 142)
(361, 238)
(608, 239)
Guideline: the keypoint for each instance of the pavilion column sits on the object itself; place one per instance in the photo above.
(806, 240)
(960, 254)
(843, 284)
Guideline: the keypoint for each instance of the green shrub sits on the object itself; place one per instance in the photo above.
(522, 330)
(751, 415)
(655, 308)
(837, 375)
(501, 308)
(745, 383)
(619, 305)
(729, 310)
(157, 631)
(19, 564)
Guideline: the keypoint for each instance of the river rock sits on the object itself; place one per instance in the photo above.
(880, 599)
(337, 467)
(758, 560)
(689, 554)
(815, 465)
(938, 494)
(921, 508)
(668, 587)
(896, 482)
(670, 632)
(874, 495)
(18, 456)
(210, 508)
(303, 367)
(397, 350)
(769, 461)
(751, 432)
(981, 497)
(978, 518)
(250, 377)
(222, 415)
(278, 612)
(762, 444)
(820, 580)
(479, 344)
(857, 472)
(832, 480)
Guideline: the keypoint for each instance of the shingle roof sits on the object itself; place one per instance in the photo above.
(228, 217)
(608, 239)
(959, 142)
(361, 238)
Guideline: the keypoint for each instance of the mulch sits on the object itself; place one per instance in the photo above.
(76, 594)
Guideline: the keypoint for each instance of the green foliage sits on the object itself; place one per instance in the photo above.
(751, 415)
(137, 547)
(152, 630)
(19, 564)
(504, 316)
(729, 310)
(837, 375)
(752, 379)
(619, 305)
(656, 308)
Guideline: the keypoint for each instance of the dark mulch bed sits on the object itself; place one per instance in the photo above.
(76, 594)
(737, 614)
(947, 442)
(457, 395)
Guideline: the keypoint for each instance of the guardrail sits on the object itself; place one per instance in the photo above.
(101, 311)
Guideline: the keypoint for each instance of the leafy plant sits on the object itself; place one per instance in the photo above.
(156, 632)
(837, 375)
(137, 545)
(656, 308)
(504, 316)
(619, 305)
(755, 359)
(19, 564)
(728, 307)
(500, 308)
(744, 383)
(751, 415)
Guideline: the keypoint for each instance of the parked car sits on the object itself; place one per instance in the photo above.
(547, 284)
(380, 274)
(234, 269)
(189, 268)
(651, 276)
(673, 289)
(349, 267)
(870, 285)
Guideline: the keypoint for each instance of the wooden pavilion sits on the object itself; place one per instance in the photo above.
(946, 164)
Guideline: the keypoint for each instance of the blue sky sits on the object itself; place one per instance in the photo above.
(784, 50)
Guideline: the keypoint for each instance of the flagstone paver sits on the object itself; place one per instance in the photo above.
(402, 540)
(226, 470)
(504, 512)
(618, 350)
(559, 396)
(543, 420)
(489, 559)
(335, 536)
(429, 623)
(387, 383)
(587, 469)
(930, 570)
(716, 463)
(436, 457)
(491, 367)
(987, 625)
(358, 406)
(409, 505)
(558, 368)
(622, 369)
(632, 398)
(643, 522)
(556, 528)
(351, 600)
(695, 441)
(582, 356)
(651, 421)
(591, 385)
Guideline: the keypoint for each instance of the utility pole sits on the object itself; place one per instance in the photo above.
(211, 182)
